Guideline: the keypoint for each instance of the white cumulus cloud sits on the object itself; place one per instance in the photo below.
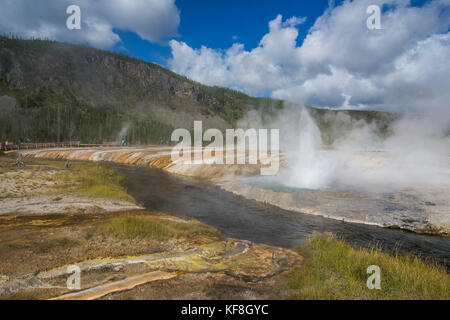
(403, 66)
(152, 20)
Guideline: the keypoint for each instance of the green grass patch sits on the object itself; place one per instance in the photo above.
(334, 270)
(96, 180)
(151, 227)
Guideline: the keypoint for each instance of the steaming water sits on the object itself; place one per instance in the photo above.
(413, 156)
(311, 168)
(243, 219)
(272, 183)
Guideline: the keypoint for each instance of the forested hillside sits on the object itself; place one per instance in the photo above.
(52, 91)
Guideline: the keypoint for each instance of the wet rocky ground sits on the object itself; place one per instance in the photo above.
(36, 251)
(47, 227)
(422, 211)
(48, 188)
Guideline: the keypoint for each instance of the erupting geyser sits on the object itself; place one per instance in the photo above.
(310, 168)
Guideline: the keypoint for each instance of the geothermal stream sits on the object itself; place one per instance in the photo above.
(163, 187)
(363, 197)
(240, 218)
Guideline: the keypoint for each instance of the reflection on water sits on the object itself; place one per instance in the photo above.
(270, 183)
(243, 219)
(276, 183)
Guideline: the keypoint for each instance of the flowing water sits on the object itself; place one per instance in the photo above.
(249, 220)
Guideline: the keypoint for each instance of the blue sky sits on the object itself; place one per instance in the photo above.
(220, 23)
(214, 23)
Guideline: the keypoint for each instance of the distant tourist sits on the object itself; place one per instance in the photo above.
(19, 161)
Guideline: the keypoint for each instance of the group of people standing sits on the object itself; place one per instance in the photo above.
(5, 145)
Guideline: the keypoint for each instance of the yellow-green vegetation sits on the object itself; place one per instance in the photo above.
(334, 270)
(50, 176)
(152, 227)
(96, 180)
